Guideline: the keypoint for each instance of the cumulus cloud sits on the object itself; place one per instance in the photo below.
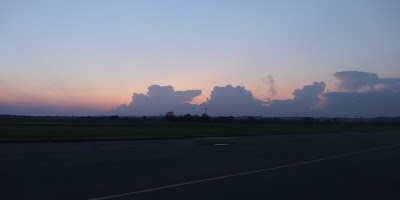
(158, 101)
(233, 101)
(360, 94)
(363, 94)
(356, 81)
(166, 95)
(223, 101)
(304, 102)
(309, 94)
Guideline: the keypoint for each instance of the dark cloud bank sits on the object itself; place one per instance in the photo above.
(359, 94)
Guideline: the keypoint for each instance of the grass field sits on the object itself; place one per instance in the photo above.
(25, 131)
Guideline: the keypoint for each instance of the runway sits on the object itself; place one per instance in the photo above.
(307, 166)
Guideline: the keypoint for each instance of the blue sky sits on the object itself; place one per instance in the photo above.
(96, 54)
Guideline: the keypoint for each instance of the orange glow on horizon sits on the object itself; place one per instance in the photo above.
(107, 98)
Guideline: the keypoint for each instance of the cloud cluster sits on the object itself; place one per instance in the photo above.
(359, 94)
(363, 94)
(304, 102)
(158, 101)
(224, 101)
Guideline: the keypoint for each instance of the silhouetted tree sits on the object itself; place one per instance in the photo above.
(188, 117)
(169, 115)
(114, 117)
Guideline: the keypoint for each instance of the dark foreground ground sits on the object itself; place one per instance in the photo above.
(342, 166)
(51, 129)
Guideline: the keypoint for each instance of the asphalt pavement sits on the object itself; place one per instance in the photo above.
(306, 166)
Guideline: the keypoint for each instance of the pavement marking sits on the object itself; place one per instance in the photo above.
(220, 144)
(215, 138)
(242, 173)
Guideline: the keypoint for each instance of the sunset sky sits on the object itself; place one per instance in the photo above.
(95, 54)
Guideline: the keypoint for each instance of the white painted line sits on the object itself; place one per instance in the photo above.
(242, 173)
(220, 144)
(215, 138)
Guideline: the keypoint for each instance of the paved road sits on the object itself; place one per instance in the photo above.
(310, 166)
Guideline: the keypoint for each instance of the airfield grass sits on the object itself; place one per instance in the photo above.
(28, 132)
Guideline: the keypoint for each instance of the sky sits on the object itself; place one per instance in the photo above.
(88, 57)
